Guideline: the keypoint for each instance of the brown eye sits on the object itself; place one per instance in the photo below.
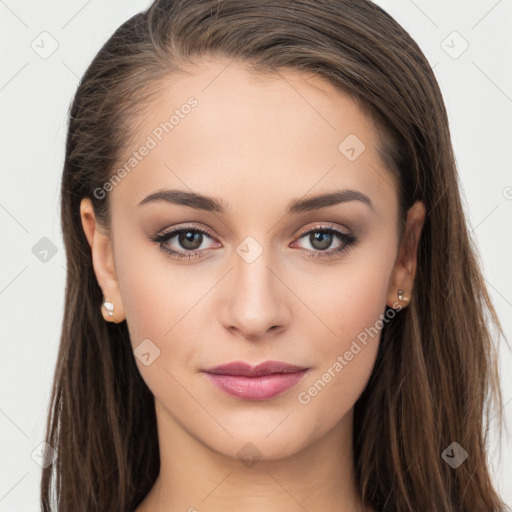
(189, 240)
(321, 240)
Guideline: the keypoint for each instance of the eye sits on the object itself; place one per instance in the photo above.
(188, 238)
(321, 238)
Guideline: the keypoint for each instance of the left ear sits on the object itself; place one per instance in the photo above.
(402, 277)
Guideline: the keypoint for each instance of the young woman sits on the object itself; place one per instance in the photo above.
(273, 301)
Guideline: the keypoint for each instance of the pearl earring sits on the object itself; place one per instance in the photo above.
(401, 296)
(109, 307)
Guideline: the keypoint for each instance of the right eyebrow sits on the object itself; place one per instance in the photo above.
(191, 199)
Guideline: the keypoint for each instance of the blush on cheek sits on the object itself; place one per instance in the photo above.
(353, 313)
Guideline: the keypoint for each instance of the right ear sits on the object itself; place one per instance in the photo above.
(102, 259)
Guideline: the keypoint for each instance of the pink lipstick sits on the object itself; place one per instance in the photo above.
(261, 382)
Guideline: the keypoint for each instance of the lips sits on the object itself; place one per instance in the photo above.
(245, 369)
(261, 382)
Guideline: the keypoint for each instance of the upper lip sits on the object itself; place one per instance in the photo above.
(246, 369)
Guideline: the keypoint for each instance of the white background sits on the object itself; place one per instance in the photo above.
(35, 94)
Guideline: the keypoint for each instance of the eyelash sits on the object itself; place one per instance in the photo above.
(348, 239)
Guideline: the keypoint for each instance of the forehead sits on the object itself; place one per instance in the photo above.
(222, 130)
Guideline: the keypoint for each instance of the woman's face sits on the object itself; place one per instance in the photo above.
(263, 269)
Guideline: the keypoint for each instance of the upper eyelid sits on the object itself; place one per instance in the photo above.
(171, 233)
(325, 227)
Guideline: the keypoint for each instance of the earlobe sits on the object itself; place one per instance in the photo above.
(103, 263)
(404, 271)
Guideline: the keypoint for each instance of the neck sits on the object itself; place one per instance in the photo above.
(195, 478)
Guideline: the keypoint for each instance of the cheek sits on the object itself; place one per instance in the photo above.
(163, 303)
(148, 295)
(351, 300)
(352, 310)
(157, 321)
(156, 292)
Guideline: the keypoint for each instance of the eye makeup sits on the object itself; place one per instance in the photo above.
(323, 234)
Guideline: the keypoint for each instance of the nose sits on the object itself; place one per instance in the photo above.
(256, 307)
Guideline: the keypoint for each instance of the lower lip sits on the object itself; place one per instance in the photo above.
(264, 387)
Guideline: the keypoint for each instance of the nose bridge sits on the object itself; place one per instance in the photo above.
(256, 302)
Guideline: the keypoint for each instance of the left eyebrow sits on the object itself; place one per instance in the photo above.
(202, 202)
(330, 199)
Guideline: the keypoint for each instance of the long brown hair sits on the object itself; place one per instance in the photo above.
(435, 379)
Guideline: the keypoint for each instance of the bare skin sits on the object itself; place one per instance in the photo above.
(256, 144)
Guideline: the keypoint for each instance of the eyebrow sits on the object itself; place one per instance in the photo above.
(212, 204)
